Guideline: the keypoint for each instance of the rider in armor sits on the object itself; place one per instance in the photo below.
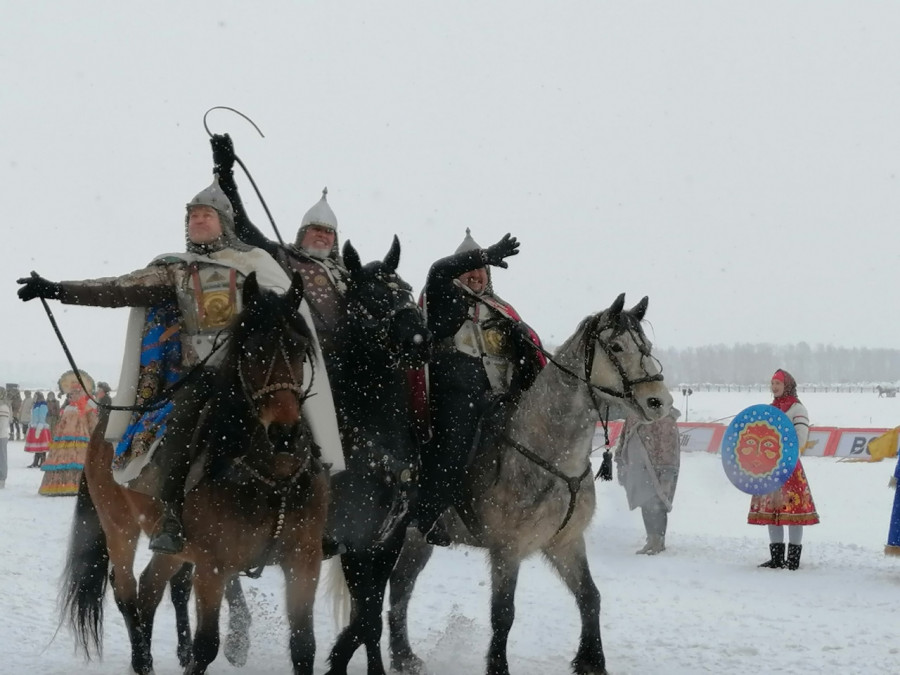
(484, 358)
(205, 283)
(314, 253)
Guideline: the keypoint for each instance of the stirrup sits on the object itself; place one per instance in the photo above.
(169, 537)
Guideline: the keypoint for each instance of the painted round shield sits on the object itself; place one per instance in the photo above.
(759, 450)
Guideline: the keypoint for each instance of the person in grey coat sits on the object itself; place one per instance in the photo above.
(5, 417)
(648, 457)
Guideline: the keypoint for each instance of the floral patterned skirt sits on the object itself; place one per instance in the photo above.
(791, 505)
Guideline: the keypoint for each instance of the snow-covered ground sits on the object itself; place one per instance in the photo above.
(702, 606)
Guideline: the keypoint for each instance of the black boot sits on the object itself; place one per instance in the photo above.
(777, 561)
(169, 535)
(793, 556)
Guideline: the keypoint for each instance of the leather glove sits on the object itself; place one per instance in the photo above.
(495, 254)
(223, 152)
(37, 286)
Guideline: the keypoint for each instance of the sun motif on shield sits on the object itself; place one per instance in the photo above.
(758, 449)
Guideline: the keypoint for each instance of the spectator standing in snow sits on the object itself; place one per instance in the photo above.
(648, 457)
(52, 411)
(14, 399)
(25, 413)
(792, 504)
(5, 430)
(37, 440)
(893, 543)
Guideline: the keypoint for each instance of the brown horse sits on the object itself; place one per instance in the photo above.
(263, 500)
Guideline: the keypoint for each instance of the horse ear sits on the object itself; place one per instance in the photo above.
(251, 289)
(351, 258)
(392, 259)
(618, 305)
(640, 309)
(294, 295)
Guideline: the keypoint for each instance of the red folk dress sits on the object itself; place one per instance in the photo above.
(793, 503)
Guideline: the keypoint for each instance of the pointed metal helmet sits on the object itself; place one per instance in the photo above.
(468, 244)
(214, 197)
(321, 214)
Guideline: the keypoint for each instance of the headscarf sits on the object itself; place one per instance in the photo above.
(789, 397)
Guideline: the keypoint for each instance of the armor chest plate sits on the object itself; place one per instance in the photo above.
(208, 299)
(324, 299)
(482, 336)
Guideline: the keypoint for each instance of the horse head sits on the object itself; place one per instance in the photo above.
(270, 344)
(383, 312)
(619, 363)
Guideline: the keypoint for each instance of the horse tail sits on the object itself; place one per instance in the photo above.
(86, 575)
(337, 589)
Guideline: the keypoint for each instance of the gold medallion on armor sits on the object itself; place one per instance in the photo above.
(494, 342)
(217, 309)
(320, 280)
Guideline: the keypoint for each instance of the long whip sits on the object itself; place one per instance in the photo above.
(244, 167)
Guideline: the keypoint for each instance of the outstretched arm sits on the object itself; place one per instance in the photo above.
(223, 166)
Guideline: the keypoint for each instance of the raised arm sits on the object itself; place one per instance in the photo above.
(223, 167)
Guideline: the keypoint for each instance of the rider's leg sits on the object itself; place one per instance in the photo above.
(173, 457)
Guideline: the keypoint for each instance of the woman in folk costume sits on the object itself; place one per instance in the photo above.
(648, 458)
(65, 458)
(792, 504)
(37, 440)
(187, 302)
(484, 357)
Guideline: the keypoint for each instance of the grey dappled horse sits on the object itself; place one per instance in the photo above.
(529, 487)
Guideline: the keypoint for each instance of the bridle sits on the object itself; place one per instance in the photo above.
(591, 339)
(378, 328)
(252, 396)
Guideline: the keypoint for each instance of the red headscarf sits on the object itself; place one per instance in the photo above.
(789, 397)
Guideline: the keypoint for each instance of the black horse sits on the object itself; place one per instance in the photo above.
(383, 335)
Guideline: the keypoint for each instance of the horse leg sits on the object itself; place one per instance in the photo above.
(125, 591)
(301, 576)
(152, 586)
(180, 592)
(209, 587)
(100, 545)
(504, 576)
(414, 555)
(570, 561)
(367, 573)
(237, 642)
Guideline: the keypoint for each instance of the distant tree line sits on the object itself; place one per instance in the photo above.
(747, 364)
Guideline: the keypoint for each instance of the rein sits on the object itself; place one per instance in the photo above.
(592, 336)
(164, 397)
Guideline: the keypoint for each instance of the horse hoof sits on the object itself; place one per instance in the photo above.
(409, 665)
(185, 652)
(237, 646)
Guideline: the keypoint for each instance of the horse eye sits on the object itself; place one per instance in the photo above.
(616, 347)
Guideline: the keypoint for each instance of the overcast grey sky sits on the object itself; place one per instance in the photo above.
(737, 162)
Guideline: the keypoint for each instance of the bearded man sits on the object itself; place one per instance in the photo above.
(314, 253)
